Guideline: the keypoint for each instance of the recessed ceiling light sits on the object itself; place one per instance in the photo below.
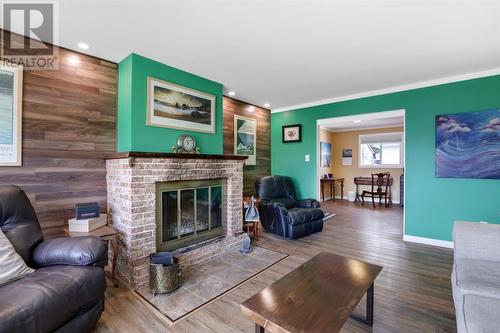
(266, 105)
(83, 46)
(357, 121)
(232, 93)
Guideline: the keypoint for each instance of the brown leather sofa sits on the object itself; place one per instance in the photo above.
(66, 291)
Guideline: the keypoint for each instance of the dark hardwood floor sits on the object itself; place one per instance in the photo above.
(412, 293)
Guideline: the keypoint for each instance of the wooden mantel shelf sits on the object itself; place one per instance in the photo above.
(136, 154)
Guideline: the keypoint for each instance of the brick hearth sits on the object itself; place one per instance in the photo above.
(132, 207)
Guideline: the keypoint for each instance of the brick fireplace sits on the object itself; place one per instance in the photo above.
(133, 180)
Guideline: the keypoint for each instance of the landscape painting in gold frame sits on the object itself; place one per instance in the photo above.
(174, 106)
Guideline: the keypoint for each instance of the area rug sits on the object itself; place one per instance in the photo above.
(328, 216)
(207, 282)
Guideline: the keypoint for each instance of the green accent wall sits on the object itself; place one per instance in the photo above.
(431, 204)
(133, 133)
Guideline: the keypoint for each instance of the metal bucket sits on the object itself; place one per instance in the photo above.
(164, 279)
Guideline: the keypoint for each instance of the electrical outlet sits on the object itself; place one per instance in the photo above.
(308, 158)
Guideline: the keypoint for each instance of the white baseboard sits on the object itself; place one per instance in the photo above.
(428, 241)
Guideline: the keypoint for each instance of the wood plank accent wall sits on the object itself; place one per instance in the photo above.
(69, 123)
(234, 107)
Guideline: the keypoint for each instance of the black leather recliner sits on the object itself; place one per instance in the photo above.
(282, 213)
(66, 291)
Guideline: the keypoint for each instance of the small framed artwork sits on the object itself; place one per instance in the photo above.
(292, 133)
(174, 106)
(11, 97)
(325, 154)
(347, 156)
(245, 135)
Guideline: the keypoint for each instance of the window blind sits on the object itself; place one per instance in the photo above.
(380, 138)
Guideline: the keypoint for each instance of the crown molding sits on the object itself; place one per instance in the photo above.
(411, 86)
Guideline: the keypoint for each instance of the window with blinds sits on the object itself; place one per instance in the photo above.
(381, 150)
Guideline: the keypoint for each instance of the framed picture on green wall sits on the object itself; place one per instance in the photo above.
(245, 134)
(174, 106)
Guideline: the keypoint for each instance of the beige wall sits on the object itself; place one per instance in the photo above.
(341, 140)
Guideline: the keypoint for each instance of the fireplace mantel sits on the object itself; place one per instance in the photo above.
(140, 154)
(132, 155)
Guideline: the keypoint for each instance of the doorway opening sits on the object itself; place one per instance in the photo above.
(361, 158)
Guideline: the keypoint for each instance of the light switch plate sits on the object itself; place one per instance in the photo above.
(308, 157)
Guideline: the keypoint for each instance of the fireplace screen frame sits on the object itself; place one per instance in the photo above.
(183, 241)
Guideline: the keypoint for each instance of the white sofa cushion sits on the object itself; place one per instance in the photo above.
(478, 277)
(12, 265)
(481, 314)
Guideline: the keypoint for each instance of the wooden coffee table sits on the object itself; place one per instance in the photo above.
(318, 296)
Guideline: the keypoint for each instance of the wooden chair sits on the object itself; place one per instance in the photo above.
(381, 182)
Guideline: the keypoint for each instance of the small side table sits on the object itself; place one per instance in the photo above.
(254, 226)
(107, 233)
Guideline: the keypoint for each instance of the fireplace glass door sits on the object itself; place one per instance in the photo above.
(188, 212)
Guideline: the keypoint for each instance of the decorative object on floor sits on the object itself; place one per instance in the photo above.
(245, 138)
(162, 258)
(325, 149)
(11, 97)
(328, 216)
(246, 245)
(282, 213)
(108, 234)
(251, 217)
(292, 133)
(205, 283)
(186, 144)
(174, 106)
(346, 156)
(330, 180)
(467, 145)
(379, 188)
(87, 225)
(85, 211)
(66, 290)
(163, 278)
(252, 214)
(313, 285)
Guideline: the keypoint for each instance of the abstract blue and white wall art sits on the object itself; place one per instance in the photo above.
(468, 145)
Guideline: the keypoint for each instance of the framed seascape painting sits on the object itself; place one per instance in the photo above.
(325, 152)
(245, 135)
(174, 106)
(468, 145)
(11, 97)
(292, 133)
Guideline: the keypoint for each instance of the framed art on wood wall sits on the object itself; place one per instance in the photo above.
(174, 106)
(292, 133)
(11, 101)
(245, 136)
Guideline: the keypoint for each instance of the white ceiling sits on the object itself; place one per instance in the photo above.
(294, 52)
